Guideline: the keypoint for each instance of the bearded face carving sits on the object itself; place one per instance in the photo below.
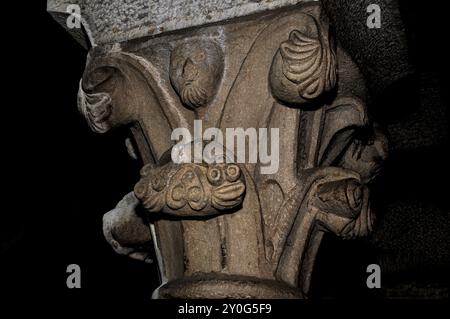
(196, 69)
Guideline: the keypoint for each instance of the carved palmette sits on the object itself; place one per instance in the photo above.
(305, 66)
(310, 63)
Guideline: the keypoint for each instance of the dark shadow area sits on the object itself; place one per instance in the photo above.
(68, 178)
(410, 241)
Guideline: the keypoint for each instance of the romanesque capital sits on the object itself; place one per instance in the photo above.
(225, 225)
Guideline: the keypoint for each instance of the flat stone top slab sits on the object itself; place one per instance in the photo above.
(108, 21)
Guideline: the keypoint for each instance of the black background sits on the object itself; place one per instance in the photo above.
(59, 178)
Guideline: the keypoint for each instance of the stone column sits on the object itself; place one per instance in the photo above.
(223, 229)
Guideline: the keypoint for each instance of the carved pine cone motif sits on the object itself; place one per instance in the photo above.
(191, 189)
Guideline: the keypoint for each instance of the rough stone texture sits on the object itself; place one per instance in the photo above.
(227, 230)
(382, 53)
(117, 20)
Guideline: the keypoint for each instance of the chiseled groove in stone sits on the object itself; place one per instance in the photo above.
(118, 20)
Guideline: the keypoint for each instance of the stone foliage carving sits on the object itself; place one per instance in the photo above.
(226, 230)
(192, 189)
(305, 66)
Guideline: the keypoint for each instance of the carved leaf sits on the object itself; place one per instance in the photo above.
(228, 195)
(310, 63)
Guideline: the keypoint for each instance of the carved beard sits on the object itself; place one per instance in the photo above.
(194, 95)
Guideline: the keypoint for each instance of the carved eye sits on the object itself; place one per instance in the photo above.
(233, 172)
(214, 176)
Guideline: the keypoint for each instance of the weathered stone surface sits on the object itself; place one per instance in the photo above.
(110, 21)
(229, 230)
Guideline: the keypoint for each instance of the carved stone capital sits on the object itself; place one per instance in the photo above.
(228, 230)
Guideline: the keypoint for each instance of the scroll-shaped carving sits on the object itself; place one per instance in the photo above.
(345, 208)
(334, 200)
(196, 69)
(191, 189)
(305, 66)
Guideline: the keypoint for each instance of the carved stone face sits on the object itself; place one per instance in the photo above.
(195, 71)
